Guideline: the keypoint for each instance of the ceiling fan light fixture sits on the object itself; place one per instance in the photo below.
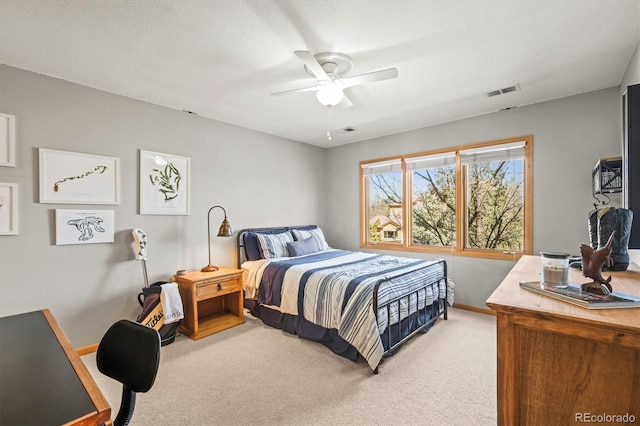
(329, 92)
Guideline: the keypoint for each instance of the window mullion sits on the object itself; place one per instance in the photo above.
(364, 203)
(528, 197)
(407, 202)
(461, 196)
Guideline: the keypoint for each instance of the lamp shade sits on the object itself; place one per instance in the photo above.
(225, 229)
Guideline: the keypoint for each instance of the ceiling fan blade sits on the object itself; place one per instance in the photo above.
(312, 64)
(304, 89)
(370, 77)
(345, 102)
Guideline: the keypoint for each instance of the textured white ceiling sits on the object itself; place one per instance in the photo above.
(222, 59)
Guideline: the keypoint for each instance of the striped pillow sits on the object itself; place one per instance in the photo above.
(274, 245)
(315, 233)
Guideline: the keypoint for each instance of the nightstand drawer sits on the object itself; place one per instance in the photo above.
(216, 288)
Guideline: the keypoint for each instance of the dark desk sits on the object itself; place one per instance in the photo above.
(43, 381)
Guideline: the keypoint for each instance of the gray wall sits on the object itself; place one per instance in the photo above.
(569, 136)
(261, 180)
(632, 74)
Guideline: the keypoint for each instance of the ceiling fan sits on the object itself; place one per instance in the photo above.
(328, 69)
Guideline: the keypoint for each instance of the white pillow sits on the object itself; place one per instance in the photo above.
(274, 245)
(315, 233)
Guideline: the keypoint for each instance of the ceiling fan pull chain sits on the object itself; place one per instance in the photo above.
(329, 122)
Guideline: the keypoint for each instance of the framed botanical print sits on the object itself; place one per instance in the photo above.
(7, 140)
(76, 178)
(8, 209)
(164, 183)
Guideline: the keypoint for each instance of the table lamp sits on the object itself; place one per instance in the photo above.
(224, 231)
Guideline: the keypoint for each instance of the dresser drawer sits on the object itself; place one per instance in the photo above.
(214, 288)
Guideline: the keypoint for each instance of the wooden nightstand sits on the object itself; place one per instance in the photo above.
(212, 301)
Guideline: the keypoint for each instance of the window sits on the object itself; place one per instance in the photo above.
(391, 235)
(433, 199)
(471, 200)
(494, 197)
(383, 201)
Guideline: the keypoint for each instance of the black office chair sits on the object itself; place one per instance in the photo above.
(129, 352)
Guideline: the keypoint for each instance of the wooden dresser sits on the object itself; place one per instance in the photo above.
(563, 364)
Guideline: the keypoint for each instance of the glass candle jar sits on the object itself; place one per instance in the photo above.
(555, 269)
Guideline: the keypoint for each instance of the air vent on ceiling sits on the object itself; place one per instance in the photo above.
(347, 129)
(509, 89)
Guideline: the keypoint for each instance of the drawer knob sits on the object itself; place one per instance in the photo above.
(219, 286)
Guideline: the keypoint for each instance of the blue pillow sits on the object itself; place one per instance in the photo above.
(302, 247)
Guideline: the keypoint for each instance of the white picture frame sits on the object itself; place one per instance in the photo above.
(84, 226)
(7, 140)
(164, 183)
(76, 178)
(8, 208)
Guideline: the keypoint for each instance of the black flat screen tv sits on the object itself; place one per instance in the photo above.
(631, 159)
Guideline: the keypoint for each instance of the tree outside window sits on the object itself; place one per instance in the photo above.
(433, 199)
(487, 183)
(494, 198)
(495, 205)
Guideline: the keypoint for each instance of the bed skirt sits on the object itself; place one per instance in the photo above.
(298, 325)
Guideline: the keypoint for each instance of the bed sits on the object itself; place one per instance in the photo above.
(356, 304)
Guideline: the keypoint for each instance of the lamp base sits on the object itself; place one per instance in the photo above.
(209, 268)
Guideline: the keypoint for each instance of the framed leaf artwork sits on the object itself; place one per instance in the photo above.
(164, 183)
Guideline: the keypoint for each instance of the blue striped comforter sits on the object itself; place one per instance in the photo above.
(334, 289)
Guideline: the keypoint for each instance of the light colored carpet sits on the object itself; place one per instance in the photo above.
(257, 375)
